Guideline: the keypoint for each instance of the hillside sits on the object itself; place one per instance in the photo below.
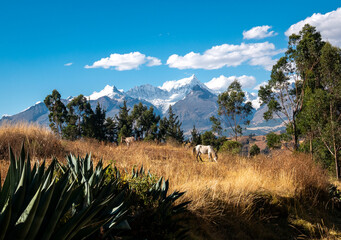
(283, 197)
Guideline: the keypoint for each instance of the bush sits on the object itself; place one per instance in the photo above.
(273, 140)
(232, 147)
(254, 150)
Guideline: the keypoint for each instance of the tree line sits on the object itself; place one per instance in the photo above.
(77, 120)
(304, 91)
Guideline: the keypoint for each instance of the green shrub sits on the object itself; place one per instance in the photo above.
(231, 146)
(273, 140)
(254, 150)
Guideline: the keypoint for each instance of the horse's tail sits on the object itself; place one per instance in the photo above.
(194, 151)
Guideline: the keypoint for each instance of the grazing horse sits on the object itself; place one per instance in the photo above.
(128, 140)
(202, 149)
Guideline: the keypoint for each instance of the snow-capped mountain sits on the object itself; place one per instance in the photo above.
(192, 101)
(168, 94)
(109, 91)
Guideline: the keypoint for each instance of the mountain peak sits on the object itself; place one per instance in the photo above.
(108, 91)
(176, 84)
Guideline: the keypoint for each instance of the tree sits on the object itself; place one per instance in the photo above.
(291, 77)
(144, 121)
(273, 140)
(254, 150)
(170, 128)
(174, 126)
(94, 124)
(216, 125)
(57, 112)
(111, 130)
(232, 109)
(196, 137)
(79, 110)
(325, 124)
(124, 122)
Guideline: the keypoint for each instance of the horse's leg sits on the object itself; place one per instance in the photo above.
(200, 157)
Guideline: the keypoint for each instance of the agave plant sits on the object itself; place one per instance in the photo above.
(163, 218)
(36, 205)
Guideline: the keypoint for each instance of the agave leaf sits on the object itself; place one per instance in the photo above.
(5, 217)
(19, 196)
(41, 211)
(86, 231)
(64, 197)
(24, 222)
(22, 157)
(28, 169)
(77, 221)
(5, 191)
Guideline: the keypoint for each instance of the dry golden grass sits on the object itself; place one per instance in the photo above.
(213, 186)
(40, 142)
(230, 187)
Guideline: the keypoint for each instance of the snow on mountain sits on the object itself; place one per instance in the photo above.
(109, 91)
(168, 94)
(253, 98)
(182, 83)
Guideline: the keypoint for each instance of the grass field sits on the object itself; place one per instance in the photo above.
(282, 197)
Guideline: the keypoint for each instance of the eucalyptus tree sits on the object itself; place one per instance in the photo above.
(57, 112)
(79, 110)
(233, 110)
(294, 74)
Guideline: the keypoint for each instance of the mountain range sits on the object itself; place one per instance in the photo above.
(191, 100)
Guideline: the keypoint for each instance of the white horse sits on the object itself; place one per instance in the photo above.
(202, 149)
(127, 140)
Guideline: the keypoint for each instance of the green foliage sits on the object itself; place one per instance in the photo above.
(216, 125)
(208, 138)
(273, 140)
(160, 217)
(233, 147)
(232, 109)
(57, 112)
(254, 150)
(170, 128)
(196, 137)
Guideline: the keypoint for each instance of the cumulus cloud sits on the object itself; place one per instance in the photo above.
(221, 83)
(262, 84)
(153, 61)
(327, 24)
(227, 55)
(128, 61)
(68, 64)
(259, 32)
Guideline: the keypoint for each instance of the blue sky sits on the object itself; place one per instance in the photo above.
(37, 39)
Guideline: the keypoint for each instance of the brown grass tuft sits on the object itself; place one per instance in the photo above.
(40, 141)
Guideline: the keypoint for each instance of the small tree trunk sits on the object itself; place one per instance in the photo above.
(295, 135)
(311, 147)
(337, 166)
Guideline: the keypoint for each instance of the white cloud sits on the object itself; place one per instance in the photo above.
(68, 64)
(227, 55)
(329, 25)
(153, 61)
(127, 61)
(262, 84)
(259, 32)
(221, 83)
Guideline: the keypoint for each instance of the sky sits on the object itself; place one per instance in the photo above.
(79, 47)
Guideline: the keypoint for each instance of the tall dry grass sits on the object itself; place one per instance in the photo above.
(214, 187)
(220, 193)
(40, 141)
